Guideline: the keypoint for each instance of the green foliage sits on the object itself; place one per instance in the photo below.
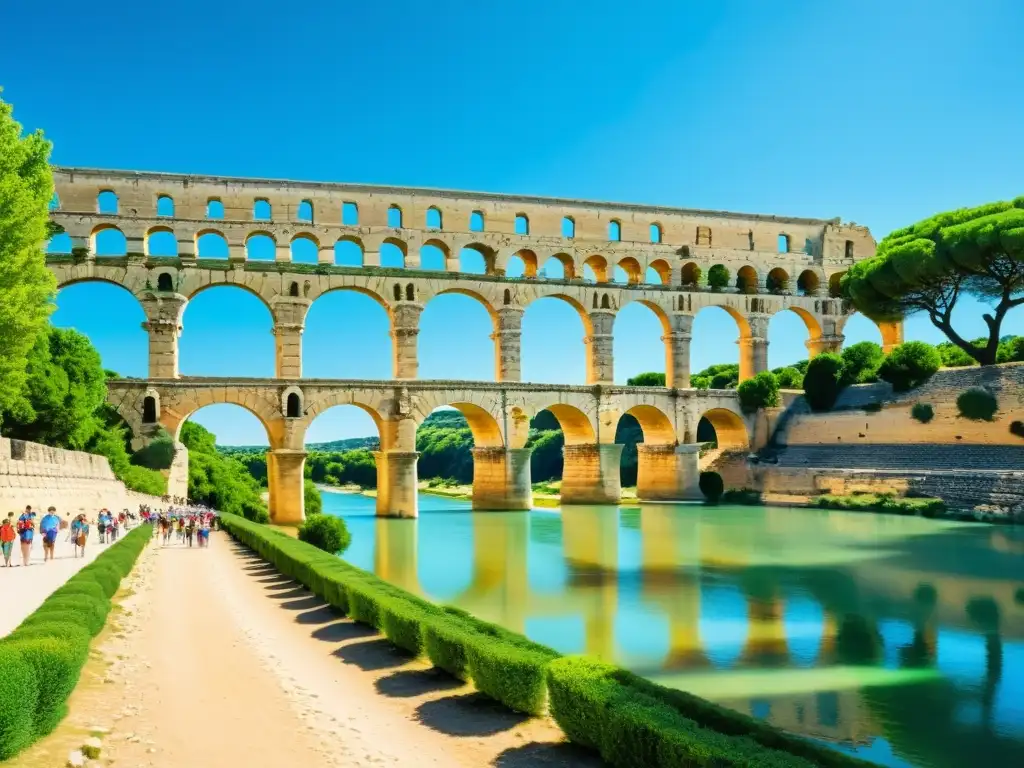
(823, 381)
(514, 674)
(977, 403)
(747, 496)
(718, 376)
(712, 486)
(953, 356)
(871, 502)
(220, 482)
(718, 277)
(1011, 350)
(649, 379)
(930, 266)
(41, 660)
(26, 285)
(922, 412)
(314, 504)
(326, 532)
(144, 480)
(910, 365)
(158, 454)
(861, 362)
(761, 391)
(789, 378)
(1017, 428)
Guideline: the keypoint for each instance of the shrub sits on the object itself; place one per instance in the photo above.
(910, 365)
(314, 503)
(143, 480)
(977, 403)
(718, 277)
(19, 692)
(711, 486)
(364, 604)
(922, 412)
(326, 532)
(762, 391)
(514, 675)
(157, 455)
(822, 381)
(403, 624)
(57, 667)
(445, 643)
(870, 502)
(1017, 428)
(861, 362)
(750, 496)
(789, 378)
(1011, 350)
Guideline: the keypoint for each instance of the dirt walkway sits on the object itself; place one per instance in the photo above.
(221, 661)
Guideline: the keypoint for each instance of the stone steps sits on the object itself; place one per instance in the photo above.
(909, 457)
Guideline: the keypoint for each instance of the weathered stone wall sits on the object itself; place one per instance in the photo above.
(72, 481)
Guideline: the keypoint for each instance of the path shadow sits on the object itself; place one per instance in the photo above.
(322, 614)
(295, 592)
(415, 682)
(304, 603)
(469, 714)
(281, 586)
(275, 579)
(370, 655)
(558, 755)
(343, 630)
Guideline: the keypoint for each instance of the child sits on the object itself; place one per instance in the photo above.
(8, 534)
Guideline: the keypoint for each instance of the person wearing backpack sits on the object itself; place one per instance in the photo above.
(8, 534)
(26, 532)
(48, 527)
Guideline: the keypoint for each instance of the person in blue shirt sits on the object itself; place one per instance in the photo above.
(79, 534)
(49, 527)
(26, 532)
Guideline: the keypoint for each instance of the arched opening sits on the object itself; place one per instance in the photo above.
(392, 254)
(714, 352)
(690, 275)
(568, 227)
(598, 269)
(261, 210)
(161, 242)
(475, 320)
(724, 428)
(349, 214)
(293, 289)
(340, 443)
(476, 221)
(260, 247)
(636, 340)
(522, 264)
(807, 283)
(558, 267)
(59, 243)
(656, 233)
(859, 328)
(746, 279)
(211, 245)
(433, 219)
(433, 258)
(446, 439)
(348, 253)
(640, 424)
(659, 273)
(551, 344)
(106, 202)
(214, 209)
(305, 212)
(116, 331)
(778, 281)
(783, 243)
(472, 261)
(631, 268)
(394, 217)
(293, 408)
(164, 282)
(227, 331)
(304, 250)
(614, 230)
(149, 414)
(522, 224)
(353, 321)
(164, 206)
(109, 241)
(835, 289)
(788, 332)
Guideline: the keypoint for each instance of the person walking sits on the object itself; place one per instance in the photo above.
(80, 534)
(49, 526)
(8, 533)
(26, 533)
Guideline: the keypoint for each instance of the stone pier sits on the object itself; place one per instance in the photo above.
(501, 479)
(590, 474)
(668, 472)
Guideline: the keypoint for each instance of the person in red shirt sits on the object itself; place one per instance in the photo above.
(7, 536)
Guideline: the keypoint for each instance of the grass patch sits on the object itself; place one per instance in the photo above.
(883, 502)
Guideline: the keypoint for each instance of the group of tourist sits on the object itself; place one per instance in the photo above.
(192, 523)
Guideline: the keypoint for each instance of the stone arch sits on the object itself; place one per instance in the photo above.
(730, 428)
(834, 288)
(599, 266)
(97, 235)
(305, 235)
(292, 402)
(362, 290)
(442, 247)
(151, 407)
(567, 262)
(807, 283)
(174, 415)
(778, 281)
(251, 238)
(165, 282)
(485, 251)
(136, 293)
(317, 406)
(148, 244)
(577, 427)
(747, 279)
(813, 326)
(663, 270)
(211, 235)
(572, 302)
(655, 423)
(349, 251)
(485, 428)
(488, 305)
(529, 260)
(240, 286)
(634, 274)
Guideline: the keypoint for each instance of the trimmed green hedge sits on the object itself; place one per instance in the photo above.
(630, 720)
(41, 660)
(883, 502)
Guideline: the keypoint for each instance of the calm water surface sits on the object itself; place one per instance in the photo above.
(898, 639)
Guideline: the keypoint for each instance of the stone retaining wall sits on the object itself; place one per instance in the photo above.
(72, 481)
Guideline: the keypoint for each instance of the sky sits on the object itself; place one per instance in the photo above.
(881, 113)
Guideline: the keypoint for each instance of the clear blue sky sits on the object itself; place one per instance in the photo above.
(878, 112)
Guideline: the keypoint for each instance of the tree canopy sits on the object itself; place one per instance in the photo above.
(26, 285)
(929, 266)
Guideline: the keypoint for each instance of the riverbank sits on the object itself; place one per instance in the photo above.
(545, 495)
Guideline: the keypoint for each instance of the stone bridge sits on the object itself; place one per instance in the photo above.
(498, 415)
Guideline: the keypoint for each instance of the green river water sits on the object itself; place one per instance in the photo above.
(897, 639)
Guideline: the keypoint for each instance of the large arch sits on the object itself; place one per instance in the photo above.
(637, 345)
(656, 425)
(858, 327)
(472, 357)
(712, 333)
(788, 331)
(223, 334)
(116, 332)
(174, 412)
(730, 428)
(347, 335)
(577, 427)
(552, 348)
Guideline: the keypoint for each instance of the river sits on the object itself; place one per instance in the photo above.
(897, 639)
